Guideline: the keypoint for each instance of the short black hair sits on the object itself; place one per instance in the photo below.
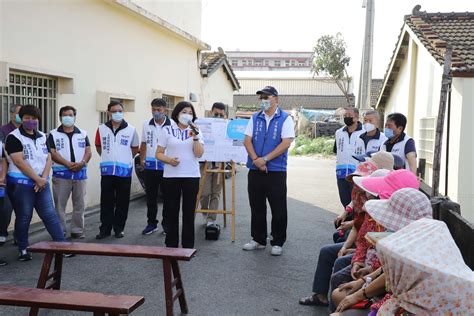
(398, 119)
(353, 109)
(31, 110)
(67, 108)
(179, 107)
(158, 102)
(218, 105)
(114, 103)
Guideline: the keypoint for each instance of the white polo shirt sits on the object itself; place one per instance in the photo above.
(179, 144)
(287, 130)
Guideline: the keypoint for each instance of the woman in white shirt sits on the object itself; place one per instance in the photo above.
(179, 147)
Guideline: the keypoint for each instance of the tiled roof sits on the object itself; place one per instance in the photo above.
(436, 30)
(375, 87)
(214, 60)
(296, 101)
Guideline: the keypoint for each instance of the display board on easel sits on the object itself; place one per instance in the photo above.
(223, 143)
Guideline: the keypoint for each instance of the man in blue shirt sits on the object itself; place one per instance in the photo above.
(268, 136)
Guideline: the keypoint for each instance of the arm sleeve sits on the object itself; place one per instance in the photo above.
(50, 142)
(334, 149)
(410, 146)
(249, 128)
(3, 153)
(162, 139)
(88, 143)
(288, 128)
(97, 139)
(143, 134)
(135, 140)
(13, 145)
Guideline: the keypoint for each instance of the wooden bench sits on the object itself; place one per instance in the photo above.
(169, 256)
(97, 303)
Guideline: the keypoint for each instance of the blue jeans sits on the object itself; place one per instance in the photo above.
(24, 199)
(327, 262)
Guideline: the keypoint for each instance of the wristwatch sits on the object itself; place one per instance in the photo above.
(265, 158)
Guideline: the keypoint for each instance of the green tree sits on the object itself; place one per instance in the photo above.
(330, 60)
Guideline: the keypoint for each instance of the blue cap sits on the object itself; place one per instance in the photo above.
(268, 90)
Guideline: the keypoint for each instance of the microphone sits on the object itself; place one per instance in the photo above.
(193, 126)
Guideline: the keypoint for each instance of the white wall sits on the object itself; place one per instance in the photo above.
(185, 14)
(461, 152)
(106, 49)
(293, 86)
(217, 88)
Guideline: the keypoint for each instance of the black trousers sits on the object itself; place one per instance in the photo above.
(114, 202)
(345, 191)
(271, 186)
(173, 190)
(153, 181)
(5, 215)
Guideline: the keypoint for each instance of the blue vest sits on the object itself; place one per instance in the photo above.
(265, 141)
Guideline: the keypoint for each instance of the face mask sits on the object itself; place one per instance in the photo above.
(388, 132)
(117, 116)
(158, 116)
(185, 118)
(369, 127)
(17, 119)
(67, 121)
(30, 124)
(265, 105)
(348, 121)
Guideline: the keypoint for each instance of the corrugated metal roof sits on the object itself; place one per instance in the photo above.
(288, 102)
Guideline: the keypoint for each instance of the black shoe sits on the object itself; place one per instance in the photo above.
(102, 236)
(119, 235)
(68, 255)
(78, 236)
(24, 256)
(3, 263)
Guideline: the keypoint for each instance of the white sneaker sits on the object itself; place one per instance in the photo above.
(276, 251)
(3, 239)
(210, 223)
(253, 245)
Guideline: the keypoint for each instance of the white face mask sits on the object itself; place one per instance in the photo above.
(369, 127)
(184, 118)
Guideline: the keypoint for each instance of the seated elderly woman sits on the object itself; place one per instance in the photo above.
(404, 206)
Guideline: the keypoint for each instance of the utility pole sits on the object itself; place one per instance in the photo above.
(367, 52)
(445, 86)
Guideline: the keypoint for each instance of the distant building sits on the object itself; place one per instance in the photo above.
(270, 61)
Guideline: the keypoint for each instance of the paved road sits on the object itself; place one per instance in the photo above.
(222, 279)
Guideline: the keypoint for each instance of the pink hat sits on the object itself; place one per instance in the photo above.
(403, 207)
(384, 187)
(363, 170)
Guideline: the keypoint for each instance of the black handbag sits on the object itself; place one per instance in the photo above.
(212, 232)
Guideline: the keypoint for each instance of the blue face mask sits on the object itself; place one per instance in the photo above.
(17, 119)
(158, 116)
(117, 116)
(67, 121)
(388, 132)
(265, 105)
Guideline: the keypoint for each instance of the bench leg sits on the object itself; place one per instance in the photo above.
(168, 287)
(179, 287)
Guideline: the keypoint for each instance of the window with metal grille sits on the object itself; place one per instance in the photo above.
(25, 88)
(103, 117)
(170, 102)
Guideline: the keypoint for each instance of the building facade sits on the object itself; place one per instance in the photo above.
(412, 86)
(270, 61)
(89, 52)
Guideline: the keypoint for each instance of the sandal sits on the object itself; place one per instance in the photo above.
(312, 300)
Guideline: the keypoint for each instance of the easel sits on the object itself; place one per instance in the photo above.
(221, 171)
